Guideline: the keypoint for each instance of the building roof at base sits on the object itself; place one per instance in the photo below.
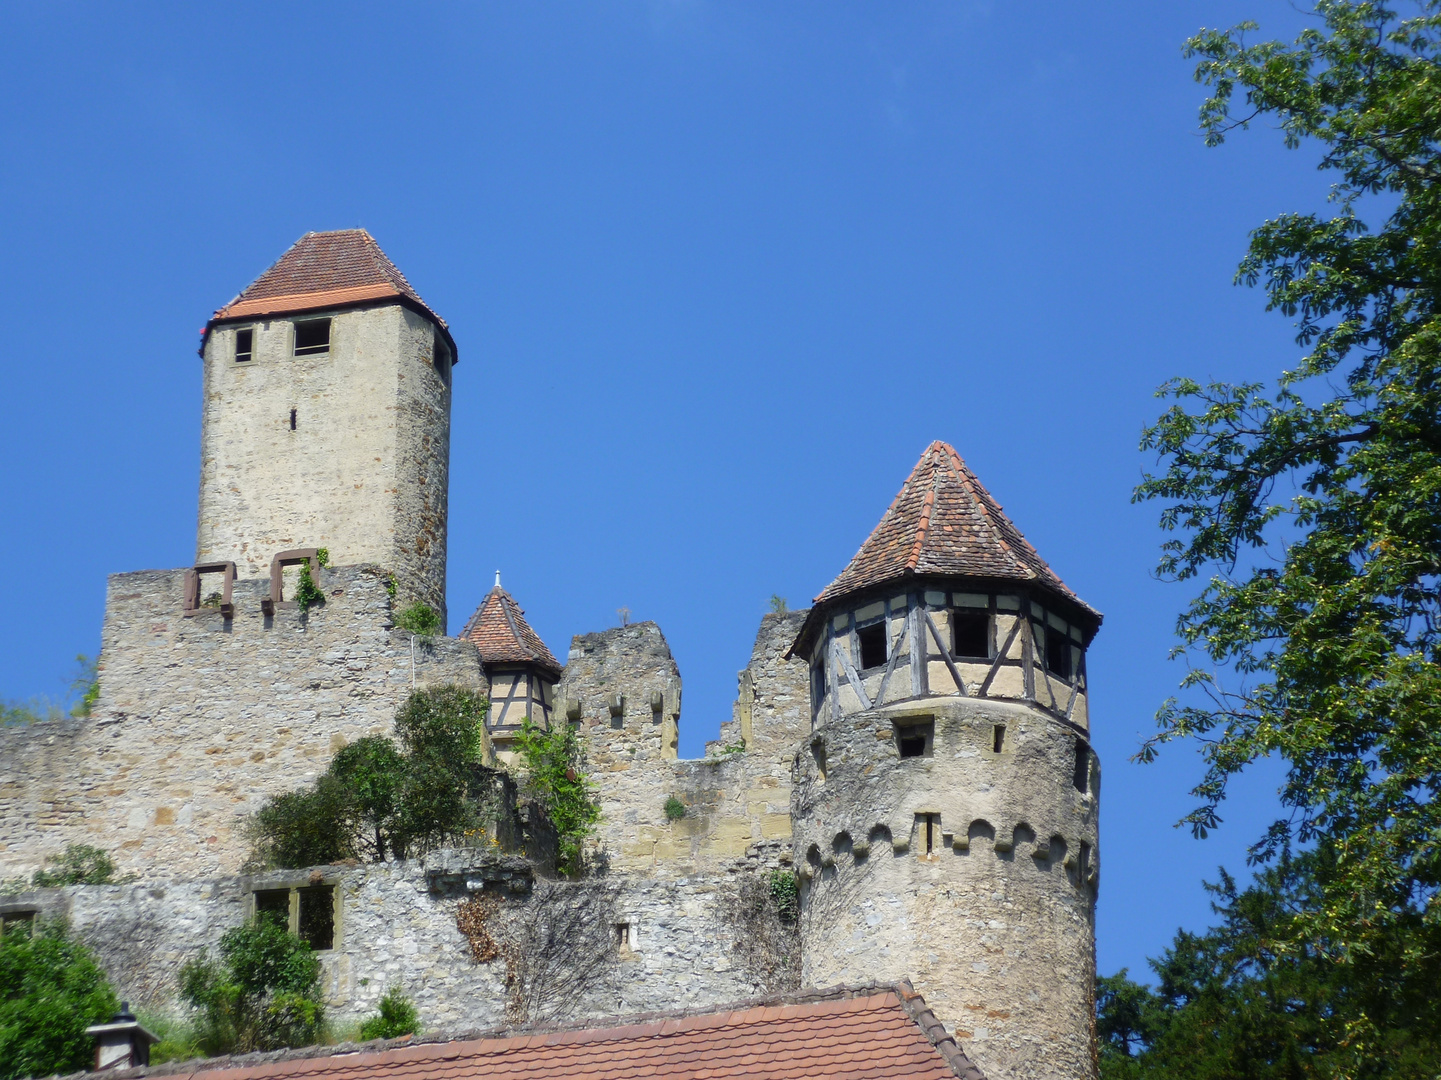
(877, 1032)
(502, 635)
(944, 522)
(328, 270)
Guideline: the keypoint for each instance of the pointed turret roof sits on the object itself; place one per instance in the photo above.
(943, 522)
(327, 270)
(502, 635)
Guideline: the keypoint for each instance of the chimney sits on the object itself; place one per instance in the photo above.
(122, 1043)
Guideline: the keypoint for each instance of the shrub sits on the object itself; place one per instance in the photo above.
(86, 684)
(554, 777)
(674, 809)
(51, 990)
(420, 619)
(262, 993)
(396, 1018)
(307, 592)
(80, 864)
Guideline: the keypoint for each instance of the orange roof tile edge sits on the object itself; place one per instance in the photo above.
(306, 301)
(358, 1061)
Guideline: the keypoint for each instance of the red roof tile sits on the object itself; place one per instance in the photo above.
(873, 1032)
(943, 522)
(502, 635)
(327, 269)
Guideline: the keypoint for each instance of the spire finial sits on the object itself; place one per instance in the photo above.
(497, 579)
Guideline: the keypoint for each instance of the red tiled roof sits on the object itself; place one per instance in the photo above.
(502, 635)
(327, 269)
(876, 1033)
(944, 522)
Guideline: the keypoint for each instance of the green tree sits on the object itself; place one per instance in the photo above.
(555, 777)
(261, 993)
(396, 1018)
(51, 990)
(79, 864)
(1312, 511)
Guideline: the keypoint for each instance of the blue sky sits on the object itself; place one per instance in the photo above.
(718, 273)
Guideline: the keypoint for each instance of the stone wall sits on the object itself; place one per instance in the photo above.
(971, 871)
(397, 929)
(202, 716)
(347, 450)
(623, 688)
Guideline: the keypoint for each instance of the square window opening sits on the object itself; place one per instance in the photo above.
(971, 633)
(244, 345)
(915, 738)
(872, 642)
(317, 916)
(312, 337)
(17, 922)
(1058, 653)
(274, 902)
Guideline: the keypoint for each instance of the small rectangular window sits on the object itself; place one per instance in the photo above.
(971, 633)
(914, 738)
(317, 916)
(1082, 776)
(17, 922)
(244, 344)
(442, 359)
(872, 641)
(274, 902)
(1058, 653)
(818, 686)
(312, 337)
(998, 738)
(622, 936)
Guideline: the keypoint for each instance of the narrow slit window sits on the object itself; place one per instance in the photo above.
(312, 337)
(622, 936)
(1082, 775)
(818, 755)
(442, 359)
(932, 826)
(872, 641)
(1058, 653)
(971, 633)
(292, 419)
(998, 738)
(818, 686)
(244, 345)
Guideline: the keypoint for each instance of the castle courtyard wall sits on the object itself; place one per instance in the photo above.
(201, 717)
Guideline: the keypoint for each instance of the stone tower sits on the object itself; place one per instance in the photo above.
(326, 420)
(945, 809)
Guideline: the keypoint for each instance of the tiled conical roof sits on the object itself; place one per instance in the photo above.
(502, 635)
(944, 522)
(325, 270)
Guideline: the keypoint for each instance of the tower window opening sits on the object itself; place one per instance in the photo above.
(292, 419)
(914, 738)
(1083, 863)
(622, 936)
(971, 633)
(818, 755)
(1081, 777)
(872, 642)
(932, 829)
(818, 686)
(312, 337)
(998, 738)
(244, 344)
(442, 359)
(1058, 653)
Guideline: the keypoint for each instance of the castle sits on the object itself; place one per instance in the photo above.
(915, 745)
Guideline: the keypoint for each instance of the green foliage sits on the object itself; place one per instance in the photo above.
(85, 684)
(674, 809)
(322, 556)
(396, 1018)
(1238, 1001)
(381, 801)
(785, 894)
(51, 989)
(391, 586)
(1313, 511)
(778, 604)
(80, 864)
(731, 749)
(33, 711)
(307, 592)
(555, 778)
(261, 993)
(420, 619)
(178, 1038)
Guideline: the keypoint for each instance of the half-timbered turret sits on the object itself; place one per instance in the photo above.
(521, 670)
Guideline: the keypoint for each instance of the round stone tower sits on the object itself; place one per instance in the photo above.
(945, 810)
(326, 421)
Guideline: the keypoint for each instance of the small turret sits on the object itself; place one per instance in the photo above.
(521, 670)
(945, 812)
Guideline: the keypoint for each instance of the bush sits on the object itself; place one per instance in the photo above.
(420, 619)
(378, 800)
(554, 778)
(51, 990)
(263, 993)
(397, 1017)
(80, 864)
(674, 809)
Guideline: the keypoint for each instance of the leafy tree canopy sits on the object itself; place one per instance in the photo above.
(261, 993)
(51, 990)
(1312, 510)
(555, 777)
